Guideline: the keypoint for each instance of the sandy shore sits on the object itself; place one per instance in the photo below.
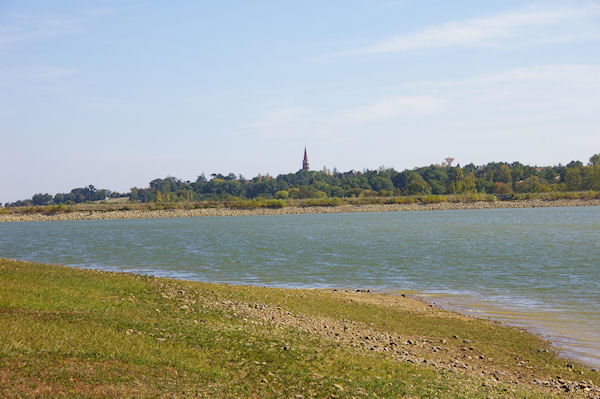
(292, 210)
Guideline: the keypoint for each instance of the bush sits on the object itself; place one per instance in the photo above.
(245, 204)
(370, 200)
(274, 203)
(405, 200)
(54, 209)
(282, 194)
(476, 197)
(321, 202)
(432, 199)
(501, 188)
(530, 185)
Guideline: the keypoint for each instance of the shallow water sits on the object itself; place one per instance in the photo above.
(538, 268)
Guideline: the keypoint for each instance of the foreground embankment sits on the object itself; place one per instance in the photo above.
(290, 210)
(70, 332)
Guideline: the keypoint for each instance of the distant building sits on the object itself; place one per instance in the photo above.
(305, 161)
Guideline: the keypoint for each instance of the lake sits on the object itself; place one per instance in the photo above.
(538, 268)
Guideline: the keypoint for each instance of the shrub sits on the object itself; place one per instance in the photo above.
(274, 203)
(476, 197)
(198, 205)
(321, 202)
(54, 209)
(245, 204)
(369, 193)
(370, 200)
(432, 199)
(530, 185)
(405, 200)
(501, 188)
(282, 194)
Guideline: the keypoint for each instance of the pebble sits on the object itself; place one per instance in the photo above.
(338, 386)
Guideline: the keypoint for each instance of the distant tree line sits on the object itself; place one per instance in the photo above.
(76, 196)
(498, 178)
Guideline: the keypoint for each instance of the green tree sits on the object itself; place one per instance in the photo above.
(282, 194)
(469, 184)
(463, 184)
(41, 199)
(530, 185)
(503, 175)
(549, 175)
(501, 188)
(380, 183)
(591, 178)
(573, 179)
(416, 185)
(595, 160)
(517, 172)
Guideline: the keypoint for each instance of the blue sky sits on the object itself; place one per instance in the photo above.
(116, 93)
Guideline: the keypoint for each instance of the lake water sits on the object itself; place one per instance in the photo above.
(538, 268)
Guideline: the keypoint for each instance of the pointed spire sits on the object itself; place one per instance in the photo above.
(305, 161)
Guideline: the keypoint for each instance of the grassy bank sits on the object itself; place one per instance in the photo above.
(70, 332)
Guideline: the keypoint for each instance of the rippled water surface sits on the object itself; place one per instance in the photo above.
(537, 267)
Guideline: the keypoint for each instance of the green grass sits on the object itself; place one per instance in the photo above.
(81, 333)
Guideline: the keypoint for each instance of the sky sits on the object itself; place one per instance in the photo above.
(115, 93)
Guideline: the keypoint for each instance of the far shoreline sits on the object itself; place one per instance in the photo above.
(293, 210)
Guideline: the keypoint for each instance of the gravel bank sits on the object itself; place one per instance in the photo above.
(291, 210)
(454, 355)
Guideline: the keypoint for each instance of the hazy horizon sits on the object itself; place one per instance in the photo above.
(115, 94)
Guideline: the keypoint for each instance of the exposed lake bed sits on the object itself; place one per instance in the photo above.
(535, 268)
(97, 213)
(97, 333)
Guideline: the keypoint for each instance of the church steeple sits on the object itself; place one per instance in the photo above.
(305, 161)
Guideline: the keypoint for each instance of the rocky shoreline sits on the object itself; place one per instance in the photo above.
(293, 210)
(484, 358)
